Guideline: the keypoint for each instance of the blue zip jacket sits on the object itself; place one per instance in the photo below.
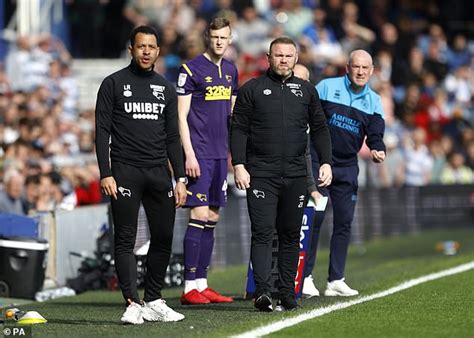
(351, 117)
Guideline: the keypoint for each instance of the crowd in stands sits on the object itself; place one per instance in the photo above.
(424, 72)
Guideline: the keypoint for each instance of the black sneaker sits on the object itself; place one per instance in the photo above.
(286, 304)
(264, 303)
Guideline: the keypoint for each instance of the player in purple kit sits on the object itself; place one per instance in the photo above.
(207, 88)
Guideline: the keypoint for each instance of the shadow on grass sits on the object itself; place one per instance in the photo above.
(239, 304)
(92, 304)
(83, 322)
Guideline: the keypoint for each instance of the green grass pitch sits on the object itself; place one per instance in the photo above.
(439, 308)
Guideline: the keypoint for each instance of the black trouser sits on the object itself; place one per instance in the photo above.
(153, 188)
(269, 200)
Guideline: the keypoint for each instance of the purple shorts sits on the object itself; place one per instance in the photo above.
(211, 188)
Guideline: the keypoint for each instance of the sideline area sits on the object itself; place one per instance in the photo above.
(277, 326)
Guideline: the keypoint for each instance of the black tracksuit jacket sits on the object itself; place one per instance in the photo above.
(138, 110)
(269, 123)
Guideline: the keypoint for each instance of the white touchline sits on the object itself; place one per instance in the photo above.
(280, 325)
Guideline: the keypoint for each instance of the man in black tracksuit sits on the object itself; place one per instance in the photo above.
(268, 144)
(137, 110)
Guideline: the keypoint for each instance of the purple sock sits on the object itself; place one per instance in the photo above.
(192, 247)
(207, 244)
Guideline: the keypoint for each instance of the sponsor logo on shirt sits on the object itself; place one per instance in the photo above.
(182, 79)
(297, 92)
(208, 79)
(267, 92)
(293, 85)
(228, 78)
(144, 110)
(126, 90)
(365, 103)
(346, 123)
(158, 91)
(157, 88)
(217, 93)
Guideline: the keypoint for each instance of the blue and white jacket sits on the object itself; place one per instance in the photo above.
(351, 116)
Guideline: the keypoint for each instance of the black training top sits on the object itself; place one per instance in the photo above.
(137, 109)
(269, 125)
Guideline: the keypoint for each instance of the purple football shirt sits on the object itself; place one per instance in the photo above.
(212, 88)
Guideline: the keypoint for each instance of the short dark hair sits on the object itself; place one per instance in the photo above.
(217, 23)
(283, 40)
(142, 29)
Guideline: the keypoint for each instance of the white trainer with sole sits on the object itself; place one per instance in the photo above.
(339, 288)
(158, 311)
(133, 314)
(309, 290)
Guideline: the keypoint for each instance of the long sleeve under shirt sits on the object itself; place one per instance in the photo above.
(137, 109)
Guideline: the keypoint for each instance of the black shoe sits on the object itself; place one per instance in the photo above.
(286, 304)
(264, 303)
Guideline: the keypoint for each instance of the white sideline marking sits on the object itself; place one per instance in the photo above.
(280, 325)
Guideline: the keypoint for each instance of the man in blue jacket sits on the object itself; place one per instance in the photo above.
(354, 114)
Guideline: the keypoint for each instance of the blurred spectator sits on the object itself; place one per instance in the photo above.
(251, 32)
(418, 161)
(434, 62)
(294, 17)
(406, 110)
(459, 85)
(17, 64)
(324, 46)
(70, 92)
(31, 194)
(45, 201)
(333, 9)
(455, 127)
(455, 171)
(179, 14)
(458, 54)
(85, 184)
(10, 195)
(388, 40)
(391, 170)
(439, 161)
(435, 37)
(356, 36)
(145, 12)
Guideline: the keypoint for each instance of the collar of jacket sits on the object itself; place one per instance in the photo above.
(363, 92)
(139, 71)
(275, 77)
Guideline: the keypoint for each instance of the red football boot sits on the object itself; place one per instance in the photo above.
(193, 297)
(215, 297)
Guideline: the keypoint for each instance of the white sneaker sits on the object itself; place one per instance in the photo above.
(133, 314)
(339, 288)
(158, 311)
(309, 290)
